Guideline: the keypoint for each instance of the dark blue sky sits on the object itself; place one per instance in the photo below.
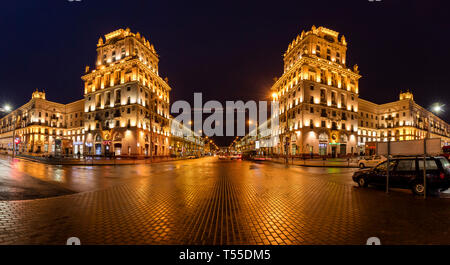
(227, 50)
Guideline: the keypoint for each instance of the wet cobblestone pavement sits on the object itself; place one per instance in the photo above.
(207, 201)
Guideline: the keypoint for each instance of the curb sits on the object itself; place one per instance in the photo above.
(338, 166)
(94, 164)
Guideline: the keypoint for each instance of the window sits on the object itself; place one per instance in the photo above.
(383, 166)
(431, 164)
(406, 165)
(311, 87)
(444, 163)
(323, 124)
(334, 125)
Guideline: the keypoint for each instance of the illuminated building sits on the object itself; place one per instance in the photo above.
(318, 96)
(320, 112)
(126, 101)
(400, 120)
(184, 141)
(125, 110)
(44, 127)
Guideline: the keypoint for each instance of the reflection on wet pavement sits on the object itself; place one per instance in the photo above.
(207, 201)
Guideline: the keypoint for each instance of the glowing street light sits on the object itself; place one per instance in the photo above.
(6, 108)
(437, 108)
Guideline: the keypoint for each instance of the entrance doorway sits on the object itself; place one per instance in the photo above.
(117, 149)
(98, 149)
(343, 150)
(107, 149)
(322, 149)
(333, 151)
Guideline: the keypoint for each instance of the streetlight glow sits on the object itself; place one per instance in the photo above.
(437, 108)
(7, 108)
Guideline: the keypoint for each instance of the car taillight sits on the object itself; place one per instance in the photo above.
(442, 175)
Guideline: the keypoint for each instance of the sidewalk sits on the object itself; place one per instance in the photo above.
(97, 161)
(333, 162)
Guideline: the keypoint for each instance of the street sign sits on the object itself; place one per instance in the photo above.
(412, 148)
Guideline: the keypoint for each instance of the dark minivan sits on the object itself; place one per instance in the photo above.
(407, 172)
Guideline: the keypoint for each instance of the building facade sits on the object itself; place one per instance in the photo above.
(320, 112)
(185, 142)
(43, 127)
(126, 101)
(318, 96)
(124, 112)
(400, 120)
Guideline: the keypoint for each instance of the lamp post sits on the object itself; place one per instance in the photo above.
(390, 119)
(7, 109)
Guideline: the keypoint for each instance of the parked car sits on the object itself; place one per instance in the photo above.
(370, 161)
(236, 156)
(407, 172)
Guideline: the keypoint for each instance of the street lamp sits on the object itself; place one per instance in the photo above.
(437, 108)
(6, 108)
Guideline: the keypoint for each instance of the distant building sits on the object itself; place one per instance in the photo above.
(320, 112)
(42, 126)
(400, 120)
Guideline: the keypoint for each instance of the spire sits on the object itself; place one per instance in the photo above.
(344, 42)
(100, 42)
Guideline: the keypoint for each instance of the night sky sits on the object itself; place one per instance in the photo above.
(227, 50)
